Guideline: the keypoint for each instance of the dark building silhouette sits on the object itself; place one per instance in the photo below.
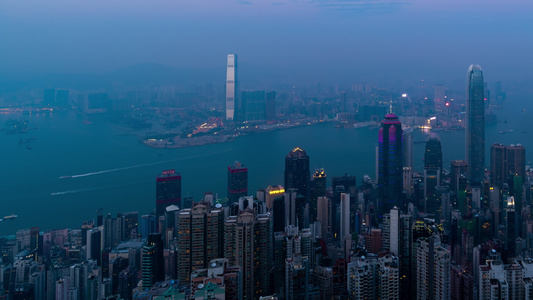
(237, 182)
(433, 154)
(297, 171)
(475, 125)
(506, 162)
(271, 106)
(168, 191)
(390, 164)
(253, 106)
(153, 267)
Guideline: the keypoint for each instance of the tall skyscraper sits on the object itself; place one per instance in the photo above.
(506, 162)
(344, 216)
(153, 267)
(237, 182)
(297, 174)
(439, 98)
(168, 191)
(390, 164)
(232, 87)
(253, 106)
(475, 125)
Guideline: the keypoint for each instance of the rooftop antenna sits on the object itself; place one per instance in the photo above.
(390, 105)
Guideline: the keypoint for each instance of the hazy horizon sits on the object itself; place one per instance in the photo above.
(292, 40)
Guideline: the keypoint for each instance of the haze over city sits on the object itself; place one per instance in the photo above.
(278, 41)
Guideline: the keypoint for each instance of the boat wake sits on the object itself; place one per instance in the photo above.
(135, 166)
(72, 192)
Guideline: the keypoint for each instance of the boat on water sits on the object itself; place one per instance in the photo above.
(65, 177)
(10, 217)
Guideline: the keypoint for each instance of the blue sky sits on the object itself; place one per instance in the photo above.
(332, 40)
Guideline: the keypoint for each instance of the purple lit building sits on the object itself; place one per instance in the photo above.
(390, 164)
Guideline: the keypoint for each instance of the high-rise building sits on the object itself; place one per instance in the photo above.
(475, 125)
(168, 191)
(433, 270)
(200, 234)
(506, 162)
(408, 149)
(237, 182)
(370, 277)
(516, 160)
(433, 154)
(153, 267)
(439, 97)
(232, 87)
(253, 106)
(297, 174)
(271, 106)
(318, 189)
(324, 214)
(345, 217)
(390, 164)
(459, 170)
(247, 244)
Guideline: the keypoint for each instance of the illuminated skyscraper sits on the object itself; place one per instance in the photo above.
(390, 163)
(475, 125)
(232, 87)
(237, 182)
(168, 191)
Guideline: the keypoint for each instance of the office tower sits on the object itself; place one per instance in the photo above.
(247, 244)
(370, 277)
(318, 189)
(433, 153)
(237, 182)
(433, 270)
(232, 87)
(271, 193)
(94, 245)
(498, 164)
(130, 224)
(439, 98)
(253, 106)
(390, 164)
(168, 191)
(297, 171)
(324, 214)
(408, 149)
(516, 160)
(153, 264)
(475, 125)
(148, 225)
(408, 181)
(200, 234)
(344, 217)
(459, 169)
(271, 106)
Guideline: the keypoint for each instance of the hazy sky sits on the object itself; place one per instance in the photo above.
(315, 39)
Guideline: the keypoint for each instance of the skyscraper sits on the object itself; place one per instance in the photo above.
(506, 161)
(475, 125)
(168, 191)
(390, 163)
(433, 270)
(232, 87)
(237, 182)
(433, 154)
(297, 174)
(253, 106)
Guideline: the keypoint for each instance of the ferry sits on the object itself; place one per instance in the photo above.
(10, 217)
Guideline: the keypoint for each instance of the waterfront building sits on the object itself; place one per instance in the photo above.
(237, 182)
(439, 98)
(270, 106)
(433, 154)
(408, 149)
(297, 173)
(390, 164)
(199, 238)
(168, 191)
(232, 87)
(475, 125)
(253, 106)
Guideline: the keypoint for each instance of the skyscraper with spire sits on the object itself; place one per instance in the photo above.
(232, 87)
(475, 125)
(390, 163)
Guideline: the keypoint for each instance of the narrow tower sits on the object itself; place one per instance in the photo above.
(475, 125)
(232, 86)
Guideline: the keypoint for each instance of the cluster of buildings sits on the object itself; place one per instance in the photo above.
(463, 233)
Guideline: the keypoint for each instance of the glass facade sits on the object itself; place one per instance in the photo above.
(232, 86)
(253, 106)
(475, 125)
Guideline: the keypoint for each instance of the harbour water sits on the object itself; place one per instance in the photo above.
(105, 167)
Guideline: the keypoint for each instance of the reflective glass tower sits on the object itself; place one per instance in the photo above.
(390, 163)
(232, 86)
(297, 173)
(475, 125)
